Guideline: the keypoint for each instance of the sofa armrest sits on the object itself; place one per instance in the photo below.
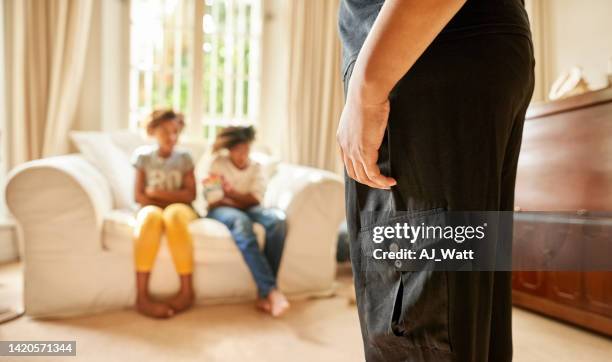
(291, 184)
(59, 204)
(313, 200)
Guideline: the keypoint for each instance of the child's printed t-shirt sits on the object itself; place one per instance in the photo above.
(162, 173)
(247, 180)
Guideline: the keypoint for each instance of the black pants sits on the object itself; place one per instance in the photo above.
(452, 143)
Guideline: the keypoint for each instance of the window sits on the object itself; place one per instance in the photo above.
(201, 57)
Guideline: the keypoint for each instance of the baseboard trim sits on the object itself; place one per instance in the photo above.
(581, 318)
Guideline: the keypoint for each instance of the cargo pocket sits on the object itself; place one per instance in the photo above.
(402, 309)
(421, 310)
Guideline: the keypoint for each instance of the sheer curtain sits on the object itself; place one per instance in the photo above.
(3, 138)
(46, 43)
(315, 92)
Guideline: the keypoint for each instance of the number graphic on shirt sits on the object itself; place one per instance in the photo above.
(173, 180)
(165, 180)
(156, 179)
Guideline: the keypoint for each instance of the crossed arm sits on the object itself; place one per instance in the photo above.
(163, 198)
(234, 198)
(239, 201)
(401, 33)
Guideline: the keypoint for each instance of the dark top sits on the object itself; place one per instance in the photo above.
(356, 18)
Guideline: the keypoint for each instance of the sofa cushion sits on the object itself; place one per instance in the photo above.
(211, 238)
(99, 149)
(269, 163)
(128, 141)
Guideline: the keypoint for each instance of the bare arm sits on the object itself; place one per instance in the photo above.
(231, 202)
(233, 198)
(401, 33)
(140, 194)
(243, 200)
(223, 202)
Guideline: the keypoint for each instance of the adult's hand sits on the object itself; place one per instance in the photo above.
(360, 134)
(401, 32)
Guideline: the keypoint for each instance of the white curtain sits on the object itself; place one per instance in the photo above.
(315, 92)
(46, 47)
(3, 138)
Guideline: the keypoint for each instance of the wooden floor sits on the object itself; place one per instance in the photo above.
(317, 330)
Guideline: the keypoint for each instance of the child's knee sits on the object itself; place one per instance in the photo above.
(150, 216)
(280, 226)
(148, 228)
(275, 221)
(243, 225)
(177, 214)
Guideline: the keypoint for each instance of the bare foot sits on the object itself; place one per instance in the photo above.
(153, 309)
(278, 303)
(352, 299)
(263, 304)
(181, 301)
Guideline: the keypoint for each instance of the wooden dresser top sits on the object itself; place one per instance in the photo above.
(566, 155)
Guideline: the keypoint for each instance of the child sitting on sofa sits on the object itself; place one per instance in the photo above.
(164, 188)
(238, 206)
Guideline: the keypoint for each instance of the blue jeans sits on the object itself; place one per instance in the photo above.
(263, 265)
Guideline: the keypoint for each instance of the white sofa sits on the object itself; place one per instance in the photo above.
(77, 248)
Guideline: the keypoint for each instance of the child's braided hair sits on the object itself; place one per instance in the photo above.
(232, 136)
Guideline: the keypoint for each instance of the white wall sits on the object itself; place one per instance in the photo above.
(573, 32)
(580, 33)
(274, 73)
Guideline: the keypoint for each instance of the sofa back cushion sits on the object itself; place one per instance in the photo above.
(99, 149)
(128, 141)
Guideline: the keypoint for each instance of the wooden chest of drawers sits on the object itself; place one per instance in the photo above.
(565, 166)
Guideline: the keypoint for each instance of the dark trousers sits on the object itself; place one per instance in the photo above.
(452, 143)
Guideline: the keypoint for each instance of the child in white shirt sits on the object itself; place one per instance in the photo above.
(239, 206)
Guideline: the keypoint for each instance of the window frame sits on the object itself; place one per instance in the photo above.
(199, 123)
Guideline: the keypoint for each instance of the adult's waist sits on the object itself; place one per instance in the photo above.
(489, 16)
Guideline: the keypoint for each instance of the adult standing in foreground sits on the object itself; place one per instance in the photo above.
(436, 96)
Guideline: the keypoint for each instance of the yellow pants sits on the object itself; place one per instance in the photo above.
(151, 221)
